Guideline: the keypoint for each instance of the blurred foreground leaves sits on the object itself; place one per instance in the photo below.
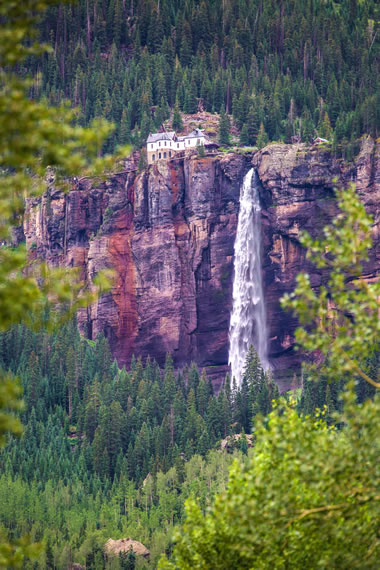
(34, 137)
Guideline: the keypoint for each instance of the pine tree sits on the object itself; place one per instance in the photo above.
(262, 137)
(125, 129)
(186, 44)
(244, 138)
(177, 123)
(224, 128)
(190, 103)
(253, 369)
(201, 150)
(127, 560)
(114, 433)
(253, 123)
(34, 377)
(71, 378)
(243, 443)
(324, 127)
(146, 126)
(49, 556)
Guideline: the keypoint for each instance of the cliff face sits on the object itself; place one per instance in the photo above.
(169, 234)
(298, 194)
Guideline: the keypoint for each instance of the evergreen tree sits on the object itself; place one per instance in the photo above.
(186, 44)
(224, 128)
(253, 123)
(190, 103)
(324, 126)
(125, 128)
(244, 137)
(49, 556)
(127, 560)
(177, 123)
(262, 137)
(142, 160)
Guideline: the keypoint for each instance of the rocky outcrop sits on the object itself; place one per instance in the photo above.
(169, 234)
(125, 545)
(298, 194)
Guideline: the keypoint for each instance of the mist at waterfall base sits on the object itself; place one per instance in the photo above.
(248, 319)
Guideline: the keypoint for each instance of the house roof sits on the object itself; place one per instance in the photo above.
(194, 134)
(168, 136)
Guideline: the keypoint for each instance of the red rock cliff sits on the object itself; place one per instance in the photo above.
(298, 194)
(169, 233)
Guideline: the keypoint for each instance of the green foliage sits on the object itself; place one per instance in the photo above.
(262, 137)
(34, 136)
(177, 123)
(94, 432)
(142, 160)
(224, 128)
(111, 450)
(127, 560)
(28, 146)
(244, 137)
(308, 498)
(10, 392)
(324, 127)
(201, 151)
(118, 58)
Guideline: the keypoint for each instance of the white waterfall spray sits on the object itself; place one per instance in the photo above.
(248, 319)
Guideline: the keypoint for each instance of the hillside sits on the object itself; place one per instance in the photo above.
(301, 67)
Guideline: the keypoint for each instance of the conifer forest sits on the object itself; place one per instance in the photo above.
(298, 67)
(128, 460)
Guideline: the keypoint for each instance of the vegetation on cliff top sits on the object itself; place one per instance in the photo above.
(296, 67)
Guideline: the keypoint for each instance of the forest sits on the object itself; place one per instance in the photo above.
(300, 68)
(124, 448)
(106, 451)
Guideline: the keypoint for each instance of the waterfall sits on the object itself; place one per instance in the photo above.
(248, 319)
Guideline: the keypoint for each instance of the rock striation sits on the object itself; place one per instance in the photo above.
(169, 234)
(298, 194)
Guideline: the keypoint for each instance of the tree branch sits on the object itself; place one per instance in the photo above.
(327, 508)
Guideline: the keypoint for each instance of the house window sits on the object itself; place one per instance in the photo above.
(170, 153)
(177, 145)
(159, 155)
(164, 154)
(151, 146)
(159, 144)
(165, 143)
(188, 142)
(198, 141)
(154, 157)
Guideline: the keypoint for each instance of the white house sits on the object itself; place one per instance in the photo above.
(163, 146)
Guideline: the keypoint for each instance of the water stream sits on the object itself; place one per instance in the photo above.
(248, 319)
